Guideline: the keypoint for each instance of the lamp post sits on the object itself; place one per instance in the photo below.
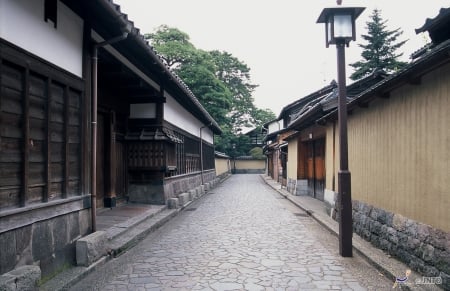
(233, 169)
(340, 30)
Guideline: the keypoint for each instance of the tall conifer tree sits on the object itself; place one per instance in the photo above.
(380, 52)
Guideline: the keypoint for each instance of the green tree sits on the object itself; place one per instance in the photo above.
(380, 51)
(173, 46)
(262, 116)
(236, 77)
(220, 81)
(195, 67)
(257, 153)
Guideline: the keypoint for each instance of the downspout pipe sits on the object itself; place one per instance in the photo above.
(95, 48)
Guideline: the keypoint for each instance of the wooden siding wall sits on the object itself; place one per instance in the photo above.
(40, 137)
(399, 151)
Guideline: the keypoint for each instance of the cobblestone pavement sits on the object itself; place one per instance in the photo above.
(240, 236)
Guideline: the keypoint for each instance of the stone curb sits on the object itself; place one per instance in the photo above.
(389, 267)
(116, 246)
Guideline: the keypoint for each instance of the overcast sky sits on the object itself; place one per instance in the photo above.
(280, 40)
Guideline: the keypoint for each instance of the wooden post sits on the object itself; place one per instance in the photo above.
(26, 140)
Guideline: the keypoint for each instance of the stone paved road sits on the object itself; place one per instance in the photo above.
(240, 236)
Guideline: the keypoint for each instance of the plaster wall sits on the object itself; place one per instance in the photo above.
(180, 117)
(22, 23)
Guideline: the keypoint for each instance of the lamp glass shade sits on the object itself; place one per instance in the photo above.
(343, 26)
(339, 23)
(329, 30)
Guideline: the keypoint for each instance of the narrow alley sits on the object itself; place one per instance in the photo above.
(242, 235)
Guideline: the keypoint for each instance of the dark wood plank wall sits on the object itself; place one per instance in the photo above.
(12, 136)
(40, 134)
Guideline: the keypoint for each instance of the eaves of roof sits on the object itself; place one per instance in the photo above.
(410, 74)
(135, 41)
(308, 98)
(221, 155)
(431, 23)
(327, 101)
(295, 124)
(275, 134)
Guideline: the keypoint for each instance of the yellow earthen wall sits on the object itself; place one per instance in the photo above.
(292, 159)
(222, 166)
(250, 164)
(399, 151)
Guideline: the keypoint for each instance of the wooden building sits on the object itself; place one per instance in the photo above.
(398, 142)
(307, 147)
(89, 116)
(273, 149)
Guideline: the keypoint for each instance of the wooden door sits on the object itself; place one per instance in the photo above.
(319, 169)
(315, 164)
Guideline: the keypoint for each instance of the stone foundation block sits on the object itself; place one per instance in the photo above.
(173, 203)
(183, 198)
(202, 190)
(192, 195)
(91, 248)
(22, 278)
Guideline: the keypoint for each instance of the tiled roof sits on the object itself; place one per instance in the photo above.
(138, 37)
(323, 103)
(430, 23)
(426, 63)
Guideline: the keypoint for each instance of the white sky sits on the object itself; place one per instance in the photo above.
(279, 40)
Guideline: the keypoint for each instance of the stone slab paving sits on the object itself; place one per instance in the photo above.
(238, 237)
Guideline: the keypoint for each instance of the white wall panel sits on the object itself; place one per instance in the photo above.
(179, 116)
(22, 23)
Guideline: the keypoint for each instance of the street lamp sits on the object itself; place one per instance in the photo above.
(340, 30)
(233, 169)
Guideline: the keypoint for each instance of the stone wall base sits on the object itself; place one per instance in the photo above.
(49, 243)
(330, 200)
(297, 187)
(22, 278)
(424, 248)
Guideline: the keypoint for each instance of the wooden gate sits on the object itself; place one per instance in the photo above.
(316, 168)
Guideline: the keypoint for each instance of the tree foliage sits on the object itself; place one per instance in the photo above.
(380, 51)
(220, 81)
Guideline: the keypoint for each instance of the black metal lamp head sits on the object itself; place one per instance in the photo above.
(339, 24)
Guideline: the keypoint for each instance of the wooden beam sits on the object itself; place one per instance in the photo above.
(160, 106)
(26, 139)
(48, 164)
(111, 162)
(66, 143)
(85, 110)
(384, 95)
